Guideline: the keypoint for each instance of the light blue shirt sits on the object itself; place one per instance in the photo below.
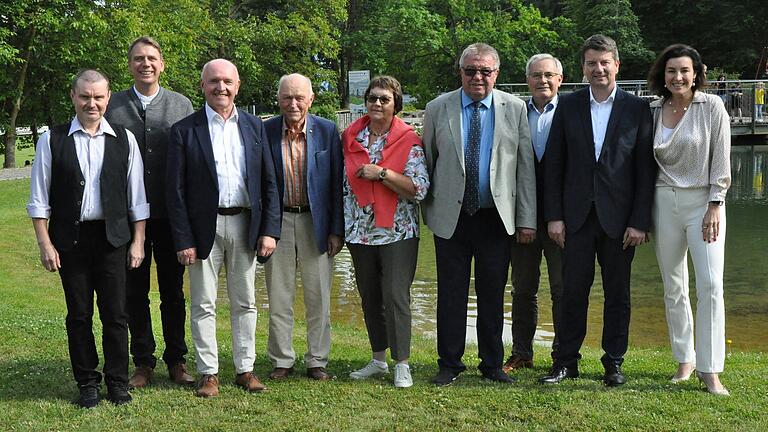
(486, 142)
(540, 123)
(600, 113)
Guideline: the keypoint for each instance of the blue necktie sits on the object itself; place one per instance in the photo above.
(472, 163)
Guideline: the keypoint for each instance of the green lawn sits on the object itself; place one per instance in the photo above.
(37, 385)
(25, 154)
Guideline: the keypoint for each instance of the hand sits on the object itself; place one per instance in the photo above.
(187, 257)
(369, 172)
(334, 244)
(265, 246)
(49, 257)
(710, 226)
(525, 235)
(556, 231)
(633, 237)
(135, 254)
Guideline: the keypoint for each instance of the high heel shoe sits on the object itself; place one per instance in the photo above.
(676, 380)
(717, 392)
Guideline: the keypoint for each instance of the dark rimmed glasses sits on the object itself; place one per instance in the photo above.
(471, 72)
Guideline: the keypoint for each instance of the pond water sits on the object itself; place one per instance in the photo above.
(746, 277)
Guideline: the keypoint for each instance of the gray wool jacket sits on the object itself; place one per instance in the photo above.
(152, 129)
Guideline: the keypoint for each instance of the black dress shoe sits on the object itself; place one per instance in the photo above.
(118, 394)
(444, 377)
(89, 396)
(613, 376)
(558, 374)
(497, 375)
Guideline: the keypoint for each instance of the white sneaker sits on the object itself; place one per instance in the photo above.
(403, 376)
(372, 369)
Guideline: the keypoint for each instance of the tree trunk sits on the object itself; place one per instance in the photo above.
(10, 134)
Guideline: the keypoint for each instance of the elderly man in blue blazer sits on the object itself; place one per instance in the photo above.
(224, 208)
(308, 162)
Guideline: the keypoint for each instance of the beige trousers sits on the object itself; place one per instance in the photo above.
(230, 248)
(297, 250)
(677, 219)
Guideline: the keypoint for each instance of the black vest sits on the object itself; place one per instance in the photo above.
(68, 185)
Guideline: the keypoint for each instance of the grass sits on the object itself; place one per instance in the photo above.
(37, 384)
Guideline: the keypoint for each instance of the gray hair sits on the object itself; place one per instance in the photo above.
(539, 57)
(480, 49)
(146, 40)
(600, 42)
(285, 78)
(205, 66)
(89, 75)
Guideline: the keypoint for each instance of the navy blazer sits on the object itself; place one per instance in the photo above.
(620, 183)
(192, 189)
(324, 174)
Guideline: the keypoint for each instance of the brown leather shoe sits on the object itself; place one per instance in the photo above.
(515, 362)
(208, 386)
(279, 373)
(142, 376)
(250, 382)
(318, 373)
(179, 374)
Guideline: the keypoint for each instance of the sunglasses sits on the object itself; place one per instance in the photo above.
(471, 72)
(383, 99)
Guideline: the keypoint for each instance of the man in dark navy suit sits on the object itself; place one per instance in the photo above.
(598, 193)
(308, 163)
(224, 208)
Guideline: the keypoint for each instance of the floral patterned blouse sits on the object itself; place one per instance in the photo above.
(359, 226)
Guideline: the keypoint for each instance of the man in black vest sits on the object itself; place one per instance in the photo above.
(87, 202)
(149, 111)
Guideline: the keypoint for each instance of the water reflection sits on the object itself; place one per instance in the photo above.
(746, 277)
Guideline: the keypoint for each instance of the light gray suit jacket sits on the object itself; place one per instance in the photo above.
(512, 171)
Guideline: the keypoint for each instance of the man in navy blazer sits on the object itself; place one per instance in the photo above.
(598, 194)
(308, 162)
(224, 208)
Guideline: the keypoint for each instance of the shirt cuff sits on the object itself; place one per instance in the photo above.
(140, 212)
(38, 212)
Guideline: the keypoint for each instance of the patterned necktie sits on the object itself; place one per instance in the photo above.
(472, 163)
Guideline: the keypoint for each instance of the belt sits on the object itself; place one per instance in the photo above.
(296, 209)
(231, 211)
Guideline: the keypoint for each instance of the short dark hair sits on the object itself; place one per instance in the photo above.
(147, 40)
(89, 75)
(388, 83)
(599, 42)
(656, 74)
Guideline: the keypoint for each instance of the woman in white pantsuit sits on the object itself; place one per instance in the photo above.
(692, 147)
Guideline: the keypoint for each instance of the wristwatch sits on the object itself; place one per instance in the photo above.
(717, 203)
(382, 174)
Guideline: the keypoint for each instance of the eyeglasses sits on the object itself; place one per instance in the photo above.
(545, 75)
(383, 99)
(471, 72)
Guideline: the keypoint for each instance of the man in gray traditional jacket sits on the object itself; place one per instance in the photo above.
(149, 111)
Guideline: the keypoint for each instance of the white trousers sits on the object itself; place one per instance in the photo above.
(297, 249)
(677, 220)
(230, 247)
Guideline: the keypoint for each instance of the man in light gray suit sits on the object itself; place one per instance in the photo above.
(483, 191)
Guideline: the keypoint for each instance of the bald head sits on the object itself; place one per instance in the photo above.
(295, 97)
(220, 83)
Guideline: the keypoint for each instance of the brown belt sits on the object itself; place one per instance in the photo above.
(231, 211)
(296, 209)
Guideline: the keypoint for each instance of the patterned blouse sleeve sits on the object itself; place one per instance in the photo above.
(416, 170)
(720, 153)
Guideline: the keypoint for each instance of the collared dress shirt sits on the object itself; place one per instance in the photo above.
(601, 113)
(540, 123)
(145, 100)
(90, 156)
(487, 121)
(229, 156)
(294, 147)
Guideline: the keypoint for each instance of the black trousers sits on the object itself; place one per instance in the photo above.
(170, 281)
(384, 275)
(526, 274)
(95, 266)
(483, 237)
(578, 275)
